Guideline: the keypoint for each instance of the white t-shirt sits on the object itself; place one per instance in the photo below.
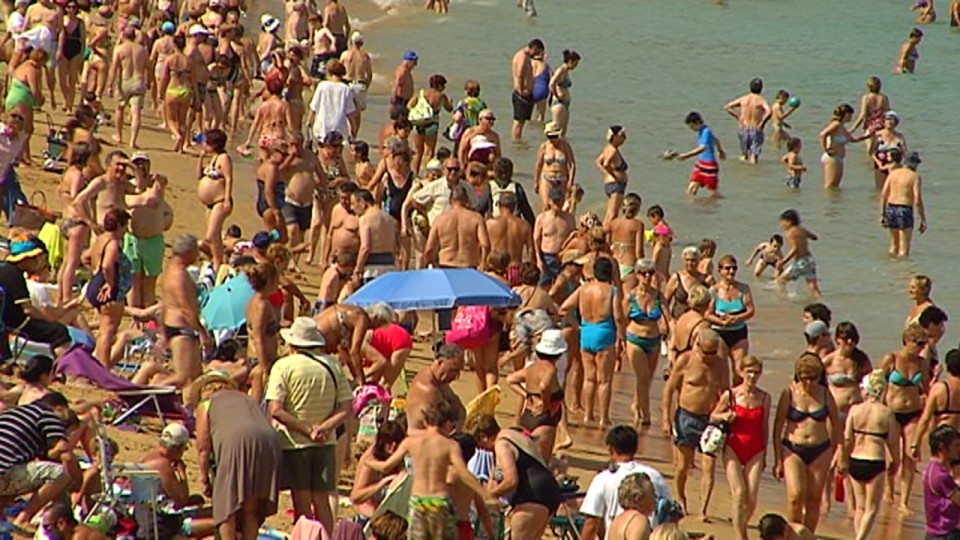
(41, 294)
(601, 497)
(331, 103)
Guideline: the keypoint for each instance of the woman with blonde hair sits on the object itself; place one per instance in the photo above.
(919, 290)
(648, 320)
(626, 235)
(637, 499)
(870, 432)
(806, 432)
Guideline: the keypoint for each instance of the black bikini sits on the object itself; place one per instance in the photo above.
(807, 452)
(947, 410)
(865, 470)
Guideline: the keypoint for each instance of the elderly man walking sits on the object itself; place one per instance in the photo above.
(309, 398)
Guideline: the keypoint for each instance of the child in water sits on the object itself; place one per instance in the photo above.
(767, 254)
(435, 457)
(778, 116)
(793, 163)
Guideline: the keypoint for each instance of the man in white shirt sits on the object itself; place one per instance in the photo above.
(600, 505)
(332, 104)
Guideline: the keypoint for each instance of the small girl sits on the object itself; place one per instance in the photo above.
(766, 254)
(778, 116)
(708, 248)
(793, 163)
(662, 249)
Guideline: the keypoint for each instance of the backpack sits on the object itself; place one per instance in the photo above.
(471, 328)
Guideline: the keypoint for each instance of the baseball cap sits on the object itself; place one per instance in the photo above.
(410, 55)
(356, 37)
(139, 156)
(174, 434)
(198, 30)
(434, 165)
(815, 329)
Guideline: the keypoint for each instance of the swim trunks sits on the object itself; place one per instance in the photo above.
(278, 197)
(145, 254)
(688, 427)
(295, 213)
(793, 182)
(359, 93)
(430, 518)
(522, 107)
(898, 217)
(751, 141)
(705, 173)
(132, 91)
(551, 268)
(805, 267)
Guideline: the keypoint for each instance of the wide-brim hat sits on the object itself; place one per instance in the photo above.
(25, 248)
(303, 334)
(196, 389)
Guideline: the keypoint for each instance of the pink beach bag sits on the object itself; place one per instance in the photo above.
(471, 328)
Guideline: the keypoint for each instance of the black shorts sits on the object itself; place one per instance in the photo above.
(301, 215)
(311, 468)
(522, 107)
(732, 337)
(52, 333)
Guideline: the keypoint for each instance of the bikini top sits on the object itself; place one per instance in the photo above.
(819, 415)
(730, 307)
(552, 160)
(211, 171)
(841, 379)
(622, 167)
(871, 433)
(947, 410)
(897, 378)
(637, 313)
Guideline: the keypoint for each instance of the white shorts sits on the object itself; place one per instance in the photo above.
(359, 92)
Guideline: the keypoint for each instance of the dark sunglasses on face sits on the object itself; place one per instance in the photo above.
(733, 267)
(647, 273)
(453, 169)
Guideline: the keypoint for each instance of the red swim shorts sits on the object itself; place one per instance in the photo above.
(706, 173)
(464, 530)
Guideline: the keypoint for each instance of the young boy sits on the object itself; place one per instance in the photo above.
(793, 163)
(801, 261)
(778, 117)
(766, 254)
(463, 497)
(435, 459)
(706, 172)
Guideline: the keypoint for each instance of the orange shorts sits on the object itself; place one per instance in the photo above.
(706, 173)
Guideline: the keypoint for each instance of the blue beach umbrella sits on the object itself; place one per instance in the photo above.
(435, 289)
(225, 307)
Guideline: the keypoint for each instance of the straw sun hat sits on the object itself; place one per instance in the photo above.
(197, 388)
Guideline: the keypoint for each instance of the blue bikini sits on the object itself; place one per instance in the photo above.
(638, 315)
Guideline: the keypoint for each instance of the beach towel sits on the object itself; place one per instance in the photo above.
(484, 403)
(308, 529)
(347, 530)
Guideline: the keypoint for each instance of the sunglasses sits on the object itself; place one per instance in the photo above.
(647, 273)
(730, 267)
(490, 118)
(453, 169)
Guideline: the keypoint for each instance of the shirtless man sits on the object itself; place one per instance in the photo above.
(752, 113)
(801, 261)
(130, 63)
(378, 238)
(432, 384)
(900, 195)
(522, 76)
(200, 53)
(336, 283)
(775, 527)
(302, 173)
(150, 216)
(183, 334)
(335, 19)
(99, 42)
(402, 88)
(271, 192)
(482, 133)
(359, 76)
(296, 27)
(108, 189)
(696, 381)
(459, 233)
(438, 465)
(344, 328)
(343, 234)
(512, 234)
(46, 13)
(550, 231)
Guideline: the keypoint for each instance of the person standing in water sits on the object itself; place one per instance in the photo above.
(901, 194)
(907, 59)
(834, 139)
(798, 256)
(522, 75)
(873, 107)
(560, 84)
(752, 113)
(706, 172)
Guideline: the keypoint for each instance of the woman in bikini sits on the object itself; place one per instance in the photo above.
(845, 368)
(100, 46)
(732, 306)
(161, 49)
(626, 237)
(909, 379)
(297, 79)
(869, 433)
(886, 139)
(176, 86)
(25, 93)
(539, 388)
(75, 230)
(745, 408)
(806, 432)
(833, 140)
(427, 130)
(111, 283)
(272, 121)
(215, 191)
(560, 84)
(919, 290)
(80, 130)
(648, 321)
(555, 166)
(614, 169)
(263, 325)
(873, 105)
(73, 36)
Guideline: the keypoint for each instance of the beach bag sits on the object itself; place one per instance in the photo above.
(712, 439)
(472, 327)
(422, 113)
(33, 215)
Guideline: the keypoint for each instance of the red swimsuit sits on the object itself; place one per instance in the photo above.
(746, 432)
